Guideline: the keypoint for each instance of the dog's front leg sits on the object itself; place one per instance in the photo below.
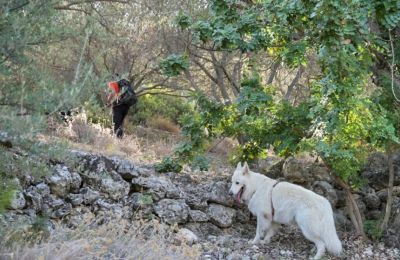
(263, 224)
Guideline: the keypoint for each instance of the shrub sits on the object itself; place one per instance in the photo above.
(6, 192)
(153, 106)
(373, 230)
(97, 113)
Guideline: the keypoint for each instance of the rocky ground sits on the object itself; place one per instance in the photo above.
(290, 244)
(193, 207)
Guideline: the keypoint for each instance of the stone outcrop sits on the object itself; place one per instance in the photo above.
(105, 186)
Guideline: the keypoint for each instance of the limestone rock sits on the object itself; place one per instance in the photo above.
(372, 201)
(221, 216)
(18, 201)
(159, 186)
(326, 190)
(186, 236)
(172, 211)
(62, 180)
(198, 216)
(219, 193)
(89, 195)
(304, 170)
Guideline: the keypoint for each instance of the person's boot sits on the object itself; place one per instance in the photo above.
(119, 133)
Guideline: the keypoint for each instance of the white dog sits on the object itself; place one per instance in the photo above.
(275, 203)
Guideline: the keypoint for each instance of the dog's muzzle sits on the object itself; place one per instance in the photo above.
(238, 196)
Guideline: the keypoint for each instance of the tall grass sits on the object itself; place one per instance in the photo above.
(120, 239)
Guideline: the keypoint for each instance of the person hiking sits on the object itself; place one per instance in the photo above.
(121, 98)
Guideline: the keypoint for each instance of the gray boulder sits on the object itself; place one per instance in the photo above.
(271, 166)
(60, 181)
(93, 162)
(172, 211)
(204, 229)
(186, 236)
(195, 198)
(126, 169)
(360, 203)
(92, 178)
(43, 189)
(372, 201)
(376, 170)
(63, 181)
(75, 199)
(18, 201)
(383, 194)
(141, 202)
(89, 195)
(326, 190)
(54, 202)
(341, 220)
(158, 186)
(34, 199)
(304, 171)
(219, 193)
(76, 182)
(221, 216)
(62, 211)
(198, 216)
(116, 189)
(243, 215)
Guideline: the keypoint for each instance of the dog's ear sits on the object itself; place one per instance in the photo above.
(245, 169)
(239, 165)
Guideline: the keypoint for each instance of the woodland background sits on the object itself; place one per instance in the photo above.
(280, 77)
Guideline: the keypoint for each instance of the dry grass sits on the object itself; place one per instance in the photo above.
(142, 145)
(115, 240)
(163, 124)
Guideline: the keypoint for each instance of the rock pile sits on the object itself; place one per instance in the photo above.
(109, 187)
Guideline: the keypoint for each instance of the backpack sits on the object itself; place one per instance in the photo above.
(127, 95)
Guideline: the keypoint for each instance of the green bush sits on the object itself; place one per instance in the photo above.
(373, 229)
(7, 189)
(97, 113)
(151, 106)
(168, 164)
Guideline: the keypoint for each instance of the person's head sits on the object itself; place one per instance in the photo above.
(114, 86)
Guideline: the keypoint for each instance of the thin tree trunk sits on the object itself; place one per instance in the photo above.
(214, 91)
(237, 71)
(389, 200)
(219, 74)
(294, 83)
(274, 69)
(191, 80)
(354, 211)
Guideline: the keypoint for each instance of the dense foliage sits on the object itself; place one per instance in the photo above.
(339, 121)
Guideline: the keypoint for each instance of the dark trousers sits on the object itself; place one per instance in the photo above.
(119, 113)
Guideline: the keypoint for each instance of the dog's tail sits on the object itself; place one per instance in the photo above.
(331, 239)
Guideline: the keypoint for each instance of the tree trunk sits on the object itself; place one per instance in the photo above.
(237, 72)
(191, 80)
(389, 201)
(219, 75)
(354, 211)
(294, 83)
(274, 69)
(214, 92)
(352, 206)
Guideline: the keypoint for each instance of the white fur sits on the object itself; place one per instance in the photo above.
(292, 203)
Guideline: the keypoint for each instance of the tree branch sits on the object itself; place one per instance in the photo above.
(392, 66)
(72, 3)
(294, 83)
